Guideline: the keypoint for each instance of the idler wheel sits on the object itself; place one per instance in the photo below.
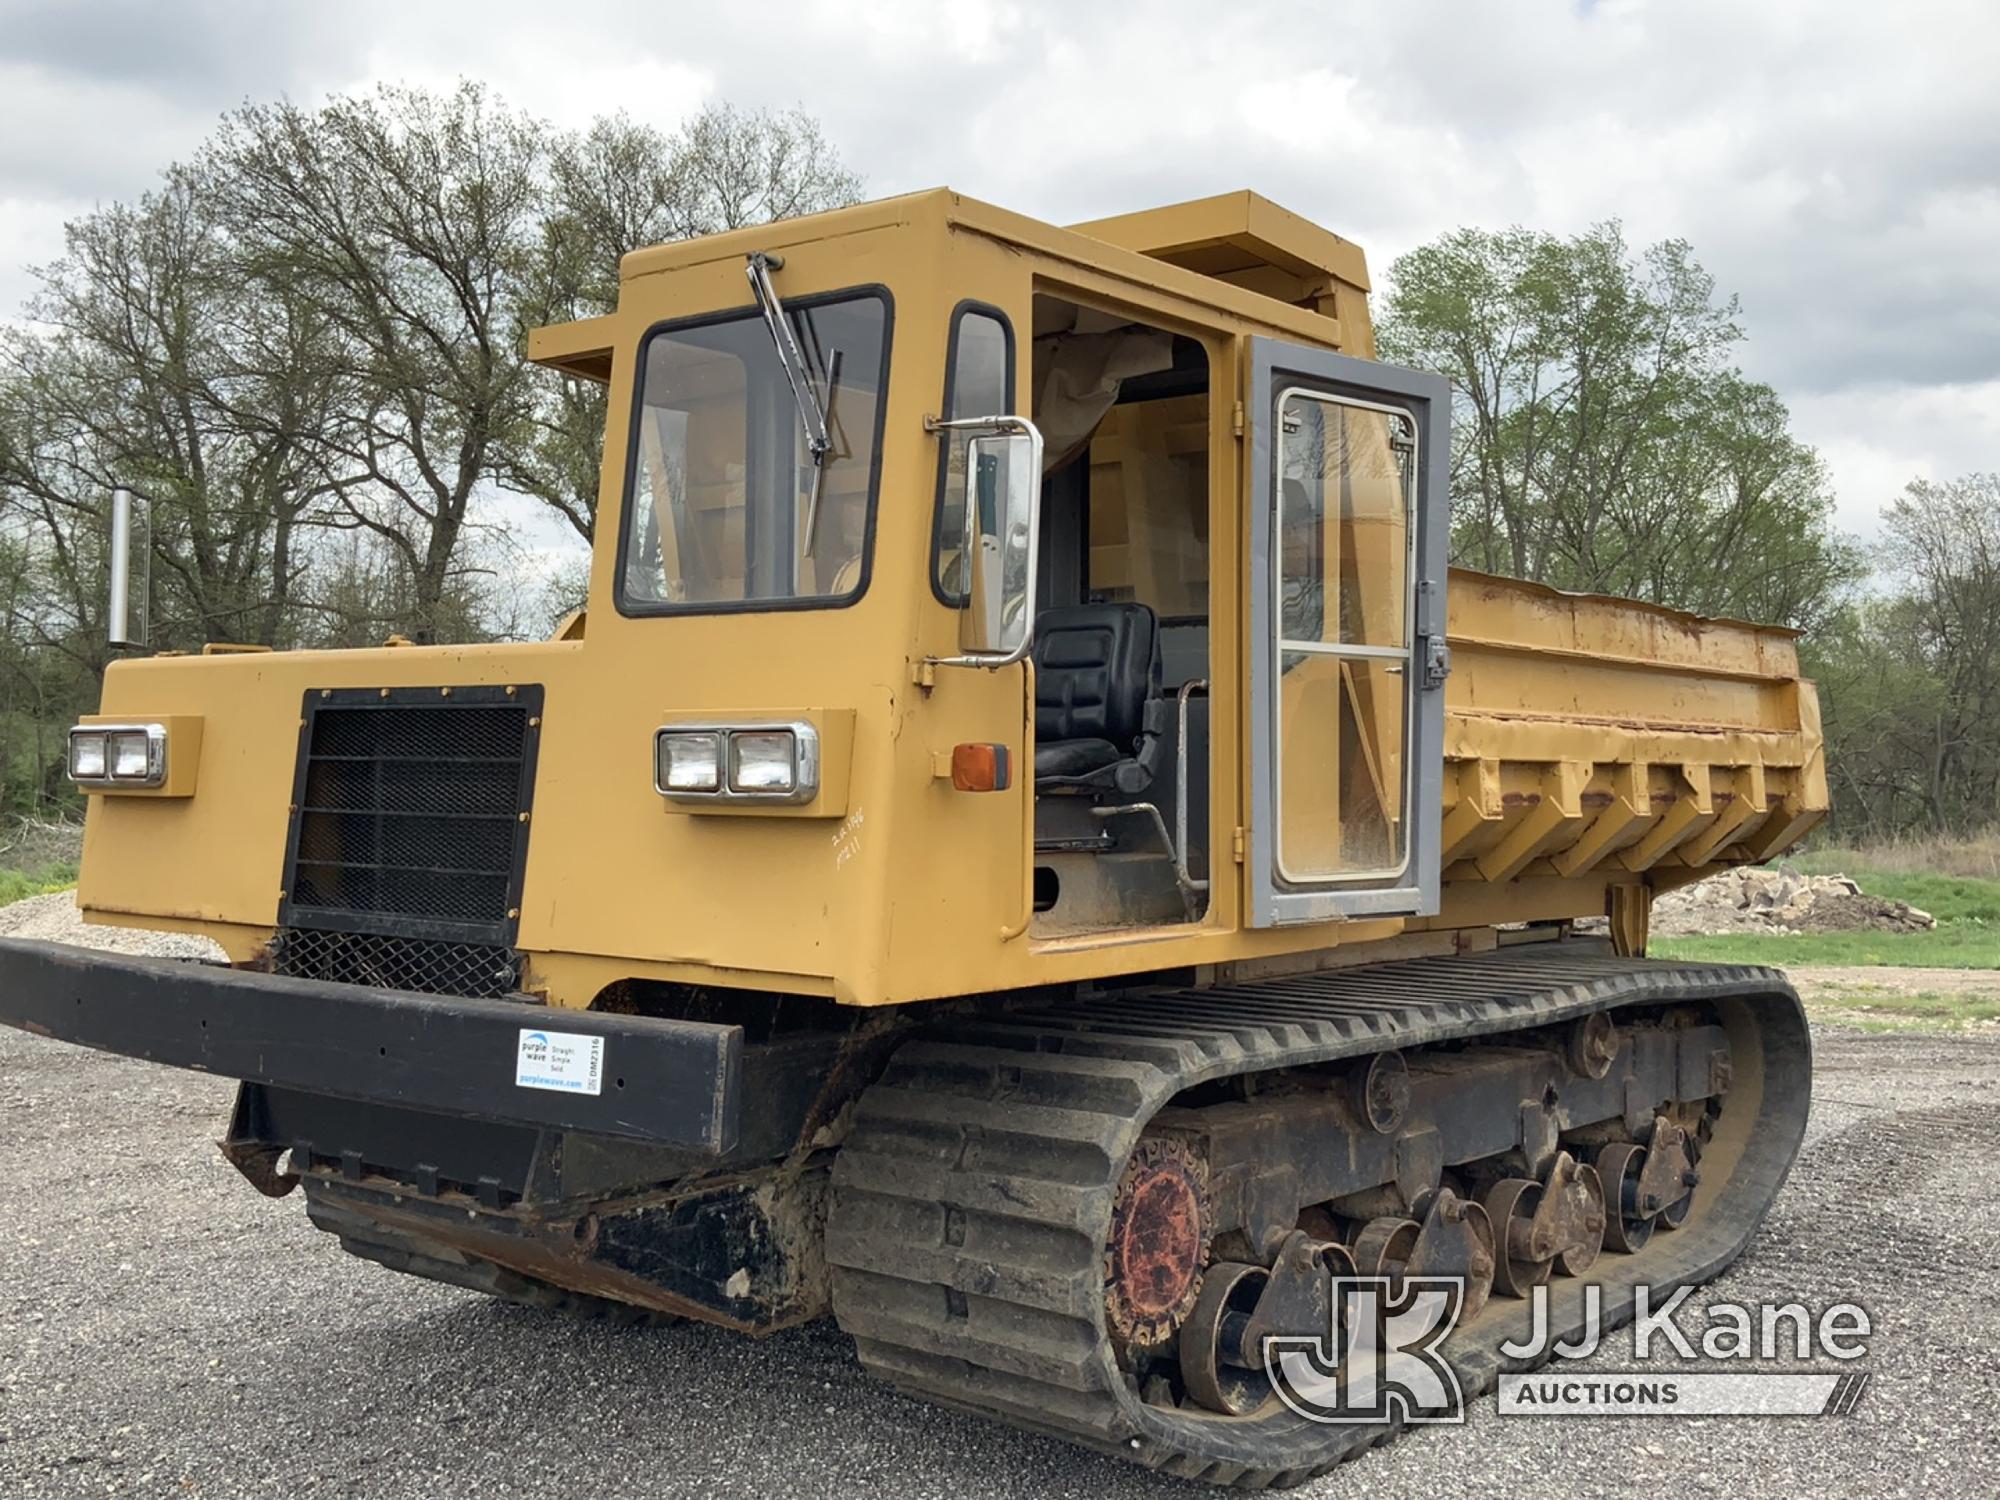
(1158, 1244)
(1215, 1365)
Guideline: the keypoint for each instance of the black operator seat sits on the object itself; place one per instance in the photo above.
(1098, 709)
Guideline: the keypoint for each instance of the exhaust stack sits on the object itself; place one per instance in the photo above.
(118, 612)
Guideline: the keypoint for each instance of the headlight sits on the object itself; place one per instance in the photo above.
(737, 763)
(690, 762)
(129, 758)
(118, 755)
(763, 761)
(86, 755)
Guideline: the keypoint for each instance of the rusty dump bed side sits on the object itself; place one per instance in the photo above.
(1592, 736)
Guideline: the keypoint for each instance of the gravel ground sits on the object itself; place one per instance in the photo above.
(54, 919)
(165, 1330)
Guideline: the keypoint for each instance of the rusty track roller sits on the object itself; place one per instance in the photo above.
(1540, 1226)
(1647, 1187)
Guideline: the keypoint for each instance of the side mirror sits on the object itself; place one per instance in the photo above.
(1003, 492)
(131, 570)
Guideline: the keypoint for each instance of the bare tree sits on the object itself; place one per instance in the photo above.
(403, 219)
(618, 187)
(305, 346)
(170, 372)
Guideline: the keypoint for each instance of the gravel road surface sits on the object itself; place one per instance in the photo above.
(166, 1331)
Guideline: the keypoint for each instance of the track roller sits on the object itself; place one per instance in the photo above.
(1217, 1360)
(1625, 1228)
(1240, 1306)
(1647, 1187)
(1382, 1247)
(1454, 1237)
(1540, 1226)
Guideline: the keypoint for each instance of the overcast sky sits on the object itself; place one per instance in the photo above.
(1837, 165)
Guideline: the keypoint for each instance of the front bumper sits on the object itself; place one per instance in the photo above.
(677, 1083)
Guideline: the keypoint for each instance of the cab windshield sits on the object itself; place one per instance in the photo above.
(722, 473)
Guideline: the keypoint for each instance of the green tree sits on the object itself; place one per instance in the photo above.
(1602, 440)
(1911, 677)
(158, 365)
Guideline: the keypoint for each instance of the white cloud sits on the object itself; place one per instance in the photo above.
(1838, 165)
(1877, 438)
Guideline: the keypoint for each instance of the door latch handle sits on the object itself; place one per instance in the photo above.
(1436, 661)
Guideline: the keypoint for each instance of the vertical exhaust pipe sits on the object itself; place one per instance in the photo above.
(119, 630)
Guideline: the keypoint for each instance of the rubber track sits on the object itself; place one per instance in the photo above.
(972, 1200)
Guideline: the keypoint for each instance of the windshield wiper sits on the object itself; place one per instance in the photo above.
(812, 410)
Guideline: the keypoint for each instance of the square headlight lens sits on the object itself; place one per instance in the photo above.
(690, 762)
(129, 758)
(86, 756)
(763, 760)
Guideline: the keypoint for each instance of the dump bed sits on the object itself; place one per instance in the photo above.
(1593, 735)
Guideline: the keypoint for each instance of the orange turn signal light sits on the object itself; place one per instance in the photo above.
(981, 768)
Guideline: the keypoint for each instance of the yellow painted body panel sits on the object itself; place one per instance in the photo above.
(1588, 742)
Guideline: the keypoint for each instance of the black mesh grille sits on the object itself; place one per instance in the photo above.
(411, 813)
(427, 965)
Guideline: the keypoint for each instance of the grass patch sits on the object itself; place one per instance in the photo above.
(18, 885)
(1877, 1008)
(1977, 856)
(1949, 945)
(37, 857)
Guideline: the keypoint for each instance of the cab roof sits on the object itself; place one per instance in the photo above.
(1237, 252)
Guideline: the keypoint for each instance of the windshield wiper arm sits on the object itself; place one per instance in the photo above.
(812, 410)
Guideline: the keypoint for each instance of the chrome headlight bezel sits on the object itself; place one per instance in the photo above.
(805, 763)
(152, 760)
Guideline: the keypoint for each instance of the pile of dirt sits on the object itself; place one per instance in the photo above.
(1782, 900)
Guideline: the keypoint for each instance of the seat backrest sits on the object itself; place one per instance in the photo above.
(1095, 667)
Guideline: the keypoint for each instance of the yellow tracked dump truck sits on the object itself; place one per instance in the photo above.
(1028, 852)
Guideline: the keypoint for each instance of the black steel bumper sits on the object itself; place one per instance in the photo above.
(678, 1083)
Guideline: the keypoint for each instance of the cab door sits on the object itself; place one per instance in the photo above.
(1349, 513)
